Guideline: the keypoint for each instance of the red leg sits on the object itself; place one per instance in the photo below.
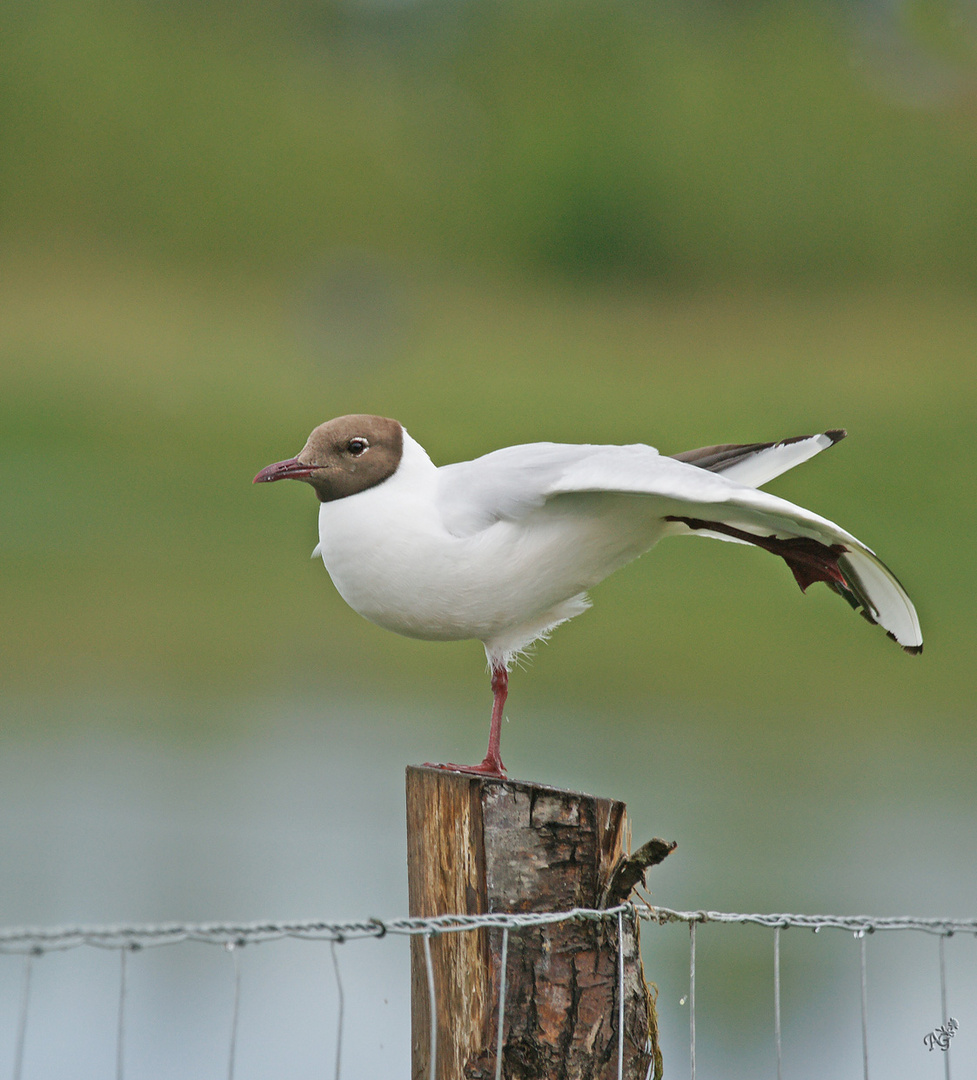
(500, 691)
(492, 763)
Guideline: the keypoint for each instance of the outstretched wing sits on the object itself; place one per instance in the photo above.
(703, 494)
(815, 549)
(508, 483)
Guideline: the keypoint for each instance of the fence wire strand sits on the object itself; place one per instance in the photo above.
(37, 940)
(776, 999)
(620, 995)
(341, 1009)
(32, 942)
(944, 1016)
(25, 997)
(120, 1036)
(432, 1007)
(862, 942)
(692, 926)
(234, 949)
(503, 974)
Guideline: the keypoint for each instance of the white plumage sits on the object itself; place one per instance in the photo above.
(502, 548)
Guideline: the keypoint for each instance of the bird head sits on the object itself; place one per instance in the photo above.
(343, 457)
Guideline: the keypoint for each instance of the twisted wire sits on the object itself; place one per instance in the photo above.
(854, 924)
(37, 940)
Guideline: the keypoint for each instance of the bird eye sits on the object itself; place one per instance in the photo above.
(357, 446)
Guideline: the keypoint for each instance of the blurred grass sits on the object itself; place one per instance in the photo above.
(138, 406)
(685, 142)
(497, 221)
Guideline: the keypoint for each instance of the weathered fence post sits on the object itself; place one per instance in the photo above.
(478, 845)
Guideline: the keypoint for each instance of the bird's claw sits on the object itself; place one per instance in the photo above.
(493, 769)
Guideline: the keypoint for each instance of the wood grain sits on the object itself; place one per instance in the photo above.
(480, 845)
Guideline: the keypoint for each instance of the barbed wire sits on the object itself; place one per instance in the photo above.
(38, 940)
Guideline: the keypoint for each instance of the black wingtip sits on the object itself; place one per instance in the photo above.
(836, 434)
(913, 650)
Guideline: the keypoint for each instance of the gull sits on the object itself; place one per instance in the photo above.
(503, 549)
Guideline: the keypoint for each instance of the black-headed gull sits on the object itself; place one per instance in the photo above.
(503, 548)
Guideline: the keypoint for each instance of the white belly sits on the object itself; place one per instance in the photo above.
(394, 563)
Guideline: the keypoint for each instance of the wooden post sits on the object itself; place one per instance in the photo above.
(479, 845)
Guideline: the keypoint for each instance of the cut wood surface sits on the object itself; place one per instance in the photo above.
(478, 845)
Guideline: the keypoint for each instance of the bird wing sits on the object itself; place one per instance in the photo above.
(756, 464)
(816, 549)
(507, 484)
(693, 497)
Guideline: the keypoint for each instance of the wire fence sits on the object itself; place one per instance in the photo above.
(34, 942)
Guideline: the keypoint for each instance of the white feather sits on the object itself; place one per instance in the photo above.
(761, 467)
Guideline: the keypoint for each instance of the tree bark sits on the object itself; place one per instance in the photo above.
(478, 845)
